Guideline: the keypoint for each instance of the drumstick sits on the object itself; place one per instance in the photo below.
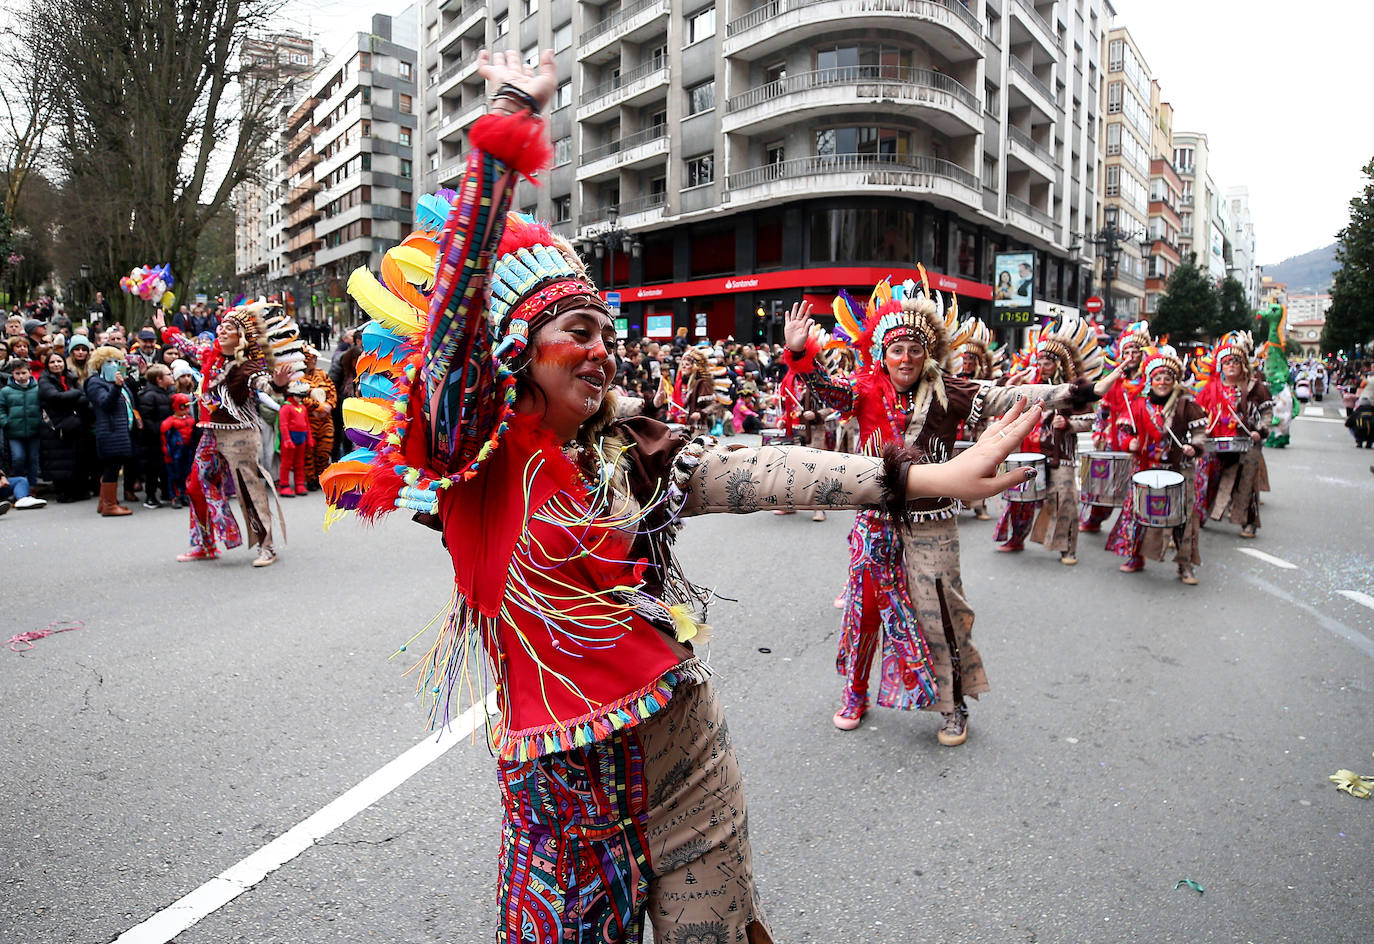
(1237, 416)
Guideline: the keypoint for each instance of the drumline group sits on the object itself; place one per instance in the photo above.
(1172, 448)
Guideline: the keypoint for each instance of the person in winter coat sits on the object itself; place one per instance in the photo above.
(21, 418)
(66, 433)
(113, 406)
(296, 438)
(155, 405)
(178, 447)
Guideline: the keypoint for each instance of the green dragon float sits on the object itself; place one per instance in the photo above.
(1274, 318)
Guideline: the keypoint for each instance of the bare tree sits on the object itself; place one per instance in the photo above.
(161, 120)
(28, 105)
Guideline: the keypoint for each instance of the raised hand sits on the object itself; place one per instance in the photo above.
(507, 68)
(972, 475)
(796, 326)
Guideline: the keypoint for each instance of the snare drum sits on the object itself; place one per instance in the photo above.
(1228, 444)
(1162, 498)
(1032, 490)
(1104, 478)
(773, 437)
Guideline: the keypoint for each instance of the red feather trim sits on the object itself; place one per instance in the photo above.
(519, 141)
(805, 362)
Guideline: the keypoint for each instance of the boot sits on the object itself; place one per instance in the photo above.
(267, 556)
(1185, 574)
(851, 711)
(109, 505)
(954, 730)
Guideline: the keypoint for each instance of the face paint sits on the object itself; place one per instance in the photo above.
(562, 353)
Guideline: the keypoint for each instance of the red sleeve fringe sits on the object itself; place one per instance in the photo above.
(805, 362)
(519, 141)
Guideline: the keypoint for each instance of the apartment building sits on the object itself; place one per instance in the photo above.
(719, 158)
(1244, 268)
(1191, 159)
(275, 60)
(1166, 188)
(1306, 318)
(1126, 153)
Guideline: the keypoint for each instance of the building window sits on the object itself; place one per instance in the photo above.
(529, 7)
(405, 168)
(367, 94)
(701, 98)
(887, 143)
(406, 104)
(531, 55)
(562, 151)
(407, 70)
(502, 24)
(562, 37)
(366, 129)
(658, 187)
(562, 209)
(563, 97)
(1113, 139)
(1114, 94)
(364, 61)
(1115, 51)
(404, 137)
(701, 25)
(863, 235)
(1113, 181)
(701, 170)
(366, 161)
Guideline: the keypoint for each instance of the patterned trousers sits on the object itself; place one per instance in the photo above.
(650, 822)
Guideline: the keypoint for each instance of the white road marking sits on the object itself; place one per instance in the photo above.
(1317, 419)
(1336, 627)
(237, 879)
(1268, 558)
(1363, 599)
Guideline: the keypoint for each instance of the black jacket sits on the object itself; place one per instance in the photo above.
(66, 427)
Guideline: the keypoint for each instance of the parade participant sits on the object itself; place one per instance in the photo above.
(621, 791)
(1163, 428)
(320, 402)
(296, 440)
(236, 367)
(1125, 362)
(1065, 350)
(975, 358)
(904, 578)
(1238, 403)
(700, 390)
(806, 418)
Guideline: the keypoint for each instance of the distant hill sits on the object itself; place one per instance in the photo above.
(1307, 274)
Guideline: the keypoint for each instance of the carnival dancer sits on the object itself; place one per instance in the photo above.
(904, 577)
(1163, 428)
(1064, 350)
(806, 419)
(1125, 363)
(485, 409)
(976, 358)
(1238, 403)
(236, 366)
(700, 390)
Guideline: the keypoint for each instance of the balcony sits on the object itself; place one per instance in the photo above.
(782, 24)
(302, 214)
(939, 100)
(473, 15)
(303, 163)
(943, 183)
(451, 125)
(301, 191)
(1026, 151)
(302, 265)
(454, 74)
(642, 147)
(301, 137)
(638, 21)
(1035, 90)
(1126, 278)
(1032, 219)
(302, 240)
(628, 213)
(635, 87)
(1035, 25)
(451, 173)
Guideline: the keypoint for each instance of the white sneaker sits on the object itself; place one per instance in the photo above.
(28, 501)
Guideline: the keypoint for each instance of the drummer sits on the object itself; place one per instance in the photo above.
(1238, 404)
(974, 358)
(1110, 412)
(1066, 350)
(1164, 428)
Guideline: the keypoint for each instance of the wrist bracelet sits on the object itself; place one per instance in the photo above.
(518, 94)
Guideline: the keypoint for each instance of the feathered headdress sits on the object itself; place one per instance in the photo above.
(1155, 358)
(975, 354)
(1137, 333)
(248, 320)
(897, 312)
(1069, 339)
(1235, 343)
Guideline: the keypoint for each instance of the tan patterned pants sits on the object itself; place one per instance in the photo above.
(931, 554)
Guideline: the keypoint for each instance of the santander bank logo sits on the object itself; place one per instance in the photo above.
(741, 283)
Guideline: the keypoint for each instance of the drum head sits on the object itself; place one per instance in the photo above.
(1157, 478)
(1025, 458)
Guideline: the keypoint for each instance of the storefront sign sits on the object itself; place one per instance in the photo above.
(854, 277)
(658, 326)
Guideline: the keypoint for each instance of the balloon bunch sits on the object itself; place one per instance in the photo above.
(152, 284)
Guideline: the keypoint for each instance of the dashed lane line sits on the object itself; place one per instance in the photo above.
(1353, 636)
(1268, 558)
(1363, 599)
(1317, 419)
(237, 879)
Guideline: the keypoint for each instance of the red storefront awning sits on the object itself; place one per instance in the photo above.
(851, 277)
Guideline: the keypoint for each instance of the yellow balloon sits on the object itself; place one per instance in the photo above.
(168, 301)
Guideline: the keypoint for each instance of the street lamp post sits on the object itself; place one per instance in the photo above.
(604, 242)
(1110, 240)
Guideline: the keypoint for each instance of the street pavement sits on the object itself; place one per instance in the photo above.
(1138, 733)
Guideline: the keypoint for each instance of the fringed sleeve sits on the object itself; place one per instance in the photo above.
(741, 480)
(994, 401)
(807, 368)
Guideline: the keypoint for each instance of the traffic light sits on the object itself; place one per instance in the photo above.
(760, 312)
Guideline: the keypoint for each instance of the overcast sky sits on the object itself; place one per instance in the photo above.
(1281, 90)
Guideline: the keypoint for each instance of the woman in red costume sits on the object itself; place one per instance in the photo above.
(1163, 428)
(485, 409)
(905, 590)
(1238, 404)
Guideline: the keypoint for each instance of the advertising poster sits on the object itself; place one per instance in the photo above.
(1013, 288)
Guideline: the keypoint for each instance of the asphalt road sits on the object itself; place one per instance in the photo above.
(1138, 733)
